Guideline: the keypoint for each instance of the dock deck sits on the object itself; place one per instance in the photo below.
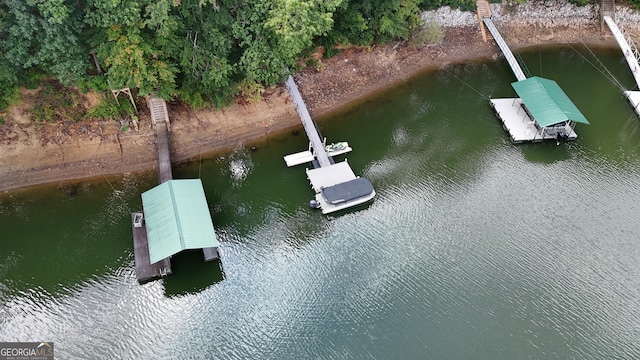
(634, 99)
(307, 156)
(146, 271)
(517, 122)
(337, 187)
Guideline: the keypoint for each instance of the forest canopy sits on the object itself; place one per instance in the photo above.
(204, 52)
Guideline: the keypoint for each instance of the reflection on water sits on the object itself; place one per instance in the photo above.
(473, 247)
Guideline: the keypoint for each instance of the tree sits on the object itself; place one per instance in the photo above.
(46, 35)
(139, 36)
(365, 22)
(207, 74)
(297, 22)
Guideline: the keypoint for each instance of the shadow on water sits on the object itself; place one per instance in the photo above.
(546, 153)
(351, 210)
(191, 274)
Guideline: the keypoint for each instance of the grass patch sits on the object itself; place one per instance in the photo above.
(54, 102)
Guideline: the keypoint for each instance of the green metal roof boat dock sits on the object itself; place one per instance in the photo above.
(175, 214)
(542, 111)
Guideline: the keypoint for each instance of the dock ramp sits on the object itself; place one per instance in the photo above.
(515, 66)
(632, 56)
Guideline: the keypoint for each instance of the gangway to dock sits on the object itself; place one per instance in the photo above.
(542, 111)
(335, 184)
(515, 66)
(631, 55)
(309, 126)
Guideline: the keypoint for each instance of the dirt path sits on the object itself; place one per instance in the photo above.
(38, 155)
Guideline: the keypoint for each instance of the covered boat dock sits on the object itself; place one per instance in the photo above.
(541, 112)
(176, 218)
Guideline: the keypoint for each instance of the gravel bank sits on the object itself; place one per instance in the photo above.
(559, 13)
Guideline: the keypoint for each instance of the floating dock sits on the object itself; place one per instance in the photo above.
(542, 111)
(335, 184)
(632, 56)
(307, 156)
(146, 271)
(634, 100)
(176, 215)
(519, 124)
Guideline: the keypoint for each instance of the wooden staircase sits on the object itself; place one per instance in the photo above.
(607, 8)
(483, 11)
(158, 109)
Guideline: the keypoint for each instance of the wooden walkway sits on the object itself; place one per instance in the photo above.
(164, 159)
(158, 109)
(146, 271)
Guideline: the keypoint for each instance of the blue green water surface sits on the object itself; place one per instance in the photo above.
(474, 248)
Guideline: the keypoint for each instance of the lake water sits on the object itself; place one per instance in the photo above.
(474, 248)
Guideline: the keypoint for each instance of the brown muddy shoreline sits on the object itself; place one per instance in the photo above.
(73, 152)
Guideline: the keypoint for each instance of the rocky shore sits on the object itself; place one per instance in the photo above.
(44, 154)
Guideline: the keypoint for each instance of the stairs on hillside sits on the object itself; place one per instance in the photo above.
(158, 109)
(483, 11)
(607, 8)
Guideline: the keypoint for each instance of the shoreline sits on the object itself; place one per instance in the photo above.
(49, 154)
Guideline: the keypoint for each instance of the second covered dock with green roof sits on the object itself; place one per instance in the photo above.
(176, 218)
(541, 112)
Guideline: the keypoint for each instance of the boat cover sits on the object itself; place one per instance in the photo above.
(347, 191)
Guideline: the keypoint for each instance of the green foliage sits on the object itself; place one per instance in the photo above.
(8, 83)
(365, 22)
(9, 96)
(110, 109)
(134, 62)
(206, 52)
(296, 22)
(46, 34)
(207, 75)
(55, 103)
(96, 83)
(251, 91)
(580, 2)
(465, 5)
(43, 113)
(429, 33)
(139, 38)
